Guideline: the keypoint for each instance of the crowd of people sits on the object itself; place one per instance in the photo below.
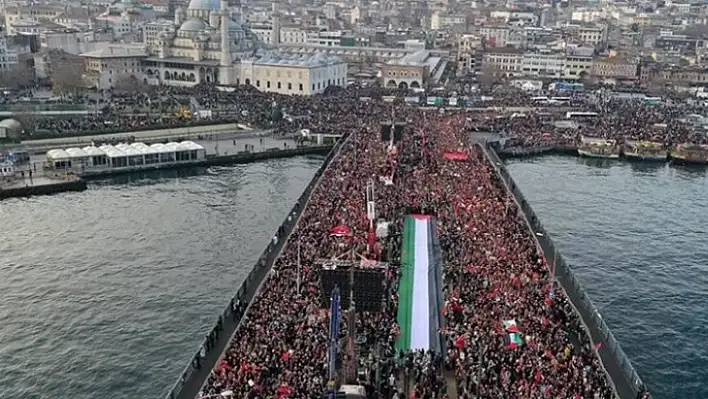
(493, 274)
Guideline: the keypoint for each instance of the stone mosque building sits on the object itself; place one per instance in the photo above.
(205, 45)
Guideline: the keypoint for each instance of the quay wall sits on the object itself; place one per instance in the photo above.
(60, 186)
(194, 376)
(232, 159)
(621, 373)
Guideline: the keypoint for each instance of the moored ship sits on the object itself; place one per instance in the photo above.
(598, 148)
(642, 150)
(690, 153)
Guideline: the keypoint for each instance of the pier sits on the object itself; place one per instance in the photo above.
(219, 153)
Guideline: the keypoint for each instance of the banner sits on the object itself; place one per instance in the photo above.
(388, 99)
(412, 100)
(420, 291)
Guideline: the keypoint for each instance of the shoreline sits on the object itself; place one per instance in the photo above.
(49, 186)
(530, 152)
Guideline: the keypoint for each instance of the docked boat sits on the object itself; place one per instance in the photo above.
(108, 159)
(642, 150)
(593, 147)
(690, 153)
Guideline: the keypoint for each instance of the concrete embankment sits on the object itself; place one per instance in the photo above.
(43, 185)
(621, 374)
(232, 159)
(212, 349)
(40, 186)
(224, 131)
(521, 152)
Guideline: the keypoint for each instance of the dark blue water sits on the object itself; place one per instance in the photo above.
(636, 237)
(108, 293)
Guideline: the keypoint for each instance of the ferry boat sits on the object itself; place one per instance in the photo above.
(598, 148)
(690, 153)
(644, 150)
(108, 159)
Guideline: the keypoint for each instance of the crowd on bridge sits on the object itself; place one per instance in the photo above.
(510, 331)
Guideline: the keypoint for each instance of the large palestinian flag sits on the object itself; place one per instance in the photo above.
(420, 290)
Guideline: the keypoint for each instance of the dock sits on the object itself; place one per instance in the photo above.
(42, 184)
(219, 153)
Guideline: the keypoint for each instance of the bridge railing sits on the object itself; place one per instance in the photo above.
(622, 375)
(231, 315)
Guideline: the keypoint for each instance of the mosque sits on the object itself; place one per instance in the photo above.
(205, 45)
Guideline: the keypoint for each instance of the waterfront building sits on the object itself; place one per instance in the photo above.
(412, 70)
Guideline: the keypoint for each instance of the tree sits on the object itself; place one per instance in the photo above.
(26, 115)
(17, 77)
(128, 84)
(66, 79)
(488, 75)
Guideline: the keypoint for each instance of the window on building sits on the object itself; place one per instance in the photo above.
(313, 87)
(258, 83)
(290, 86)
(300, 88)
(279, 85)
(268, 84)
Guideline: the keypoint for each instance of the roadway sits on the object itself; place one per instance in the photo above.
(145, 135)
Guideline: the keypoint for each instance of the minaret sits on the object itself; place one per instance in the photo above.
(224, 75)
(178, 16)
(225, 42)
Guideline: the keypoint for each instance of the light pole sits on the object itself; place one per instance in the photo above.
(223, 394)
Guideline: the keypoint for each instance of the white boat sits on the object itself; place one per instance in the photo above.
(107, 159)
(598, 148)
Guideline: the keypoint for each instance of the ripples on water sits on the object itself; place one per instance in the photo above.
(636, 236)
(108, 293)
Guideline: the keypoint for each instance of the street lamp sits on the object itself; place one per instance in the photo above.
(223, 394)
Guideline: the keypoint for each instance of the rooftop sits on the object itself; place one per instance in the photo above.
(295, 60)
(118, 51)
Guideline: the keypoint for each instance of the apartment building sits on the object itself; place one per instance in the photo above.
(543, 64)
(503, 61)
(617, 67)
(578, 66)
(494, 36)
(469, 48)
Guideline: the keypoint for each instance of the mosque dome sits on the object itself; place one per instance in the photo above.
(193, 25)
(204, 5)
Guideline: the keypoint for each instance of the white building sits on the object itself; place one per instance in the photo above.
(125, 17)
(108, 65)
(74, 41)
(204, 44)
(544, 64)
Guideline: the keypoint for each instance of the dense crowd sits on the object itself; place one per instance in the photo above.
(492, 273)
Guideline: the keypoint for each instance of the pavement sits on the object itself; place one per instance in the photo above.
(190, 131)
(40, 179)
(219, 145)
(231, 145)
